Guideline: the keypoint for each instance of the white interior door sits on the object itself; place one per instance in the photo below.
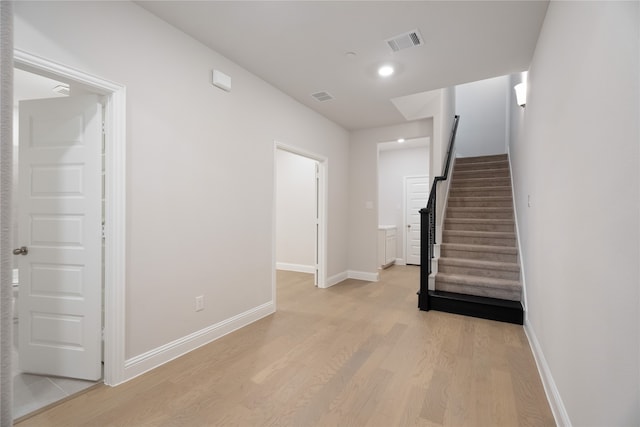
(60, 224)
(416, 195)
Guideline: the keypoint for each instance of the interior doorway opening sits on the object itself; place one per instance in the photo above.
(112, 167)
(299, 213)
(399, 161)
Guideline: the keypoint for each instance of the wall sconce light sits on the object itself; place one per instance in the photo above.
(521, 93)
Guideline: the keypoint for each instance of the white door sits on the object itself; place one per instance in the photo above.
(60, 224)
(416, 195)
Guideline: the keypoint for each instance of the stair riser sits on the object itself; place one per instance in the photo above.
(448, 225)
(509, 294)
(463, 213)
(480, 240)
(494, 158)
(482, 272)
(479, 193)
(480, 203)
(489, 173)
(481, 166)
(481, 256)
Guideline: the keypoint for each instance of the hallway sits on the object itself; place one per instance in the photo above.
(358, 353)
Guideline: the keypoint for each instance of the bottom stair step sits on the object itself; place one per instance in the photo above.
(474, 306)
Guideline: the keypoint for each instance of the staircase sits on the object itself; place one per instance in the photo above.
(478, 271)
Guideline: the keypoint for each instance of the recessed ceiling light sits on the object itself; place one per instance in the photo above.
(400, 140)
(385, 71)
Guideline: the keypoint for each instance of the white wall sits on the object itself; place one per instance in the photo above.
(482, 107)
(393, 167)
(575, 151)
(295, 212)
(363, 189)
(200, 164)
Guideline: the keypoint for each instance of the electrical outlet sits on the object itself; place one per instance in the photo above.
(200, 303)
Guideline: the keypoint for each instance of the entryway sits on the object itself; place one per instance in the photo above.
(300, 212)
(69, 233)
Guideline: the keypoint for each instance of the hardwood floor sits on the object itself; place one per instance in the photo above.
(355, 354)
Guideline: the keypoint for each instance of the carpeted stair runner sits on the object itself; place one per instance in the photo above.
(478, 255)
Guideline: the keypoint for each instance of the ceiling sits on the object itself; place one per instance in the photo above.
(28, 85)
(301, 47)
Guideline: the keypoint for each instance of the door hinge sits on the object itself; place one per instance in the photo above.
(103, 235)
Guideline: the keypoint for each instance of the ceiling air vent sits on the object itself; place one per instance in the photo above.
(404, 41)
(322, 96)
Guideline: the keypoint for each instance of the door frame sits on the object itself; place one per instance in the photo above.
(405, 180)
(321, 245)
(115, 203)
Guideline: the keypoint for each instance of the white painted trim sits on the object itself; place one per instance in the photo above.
(300, 268)
(323, 177)
(351, 274)
(400, 261)
(515, 219)
(551, 390)
(363, 275)
(337, 278)
(159, 356)
(115, 197)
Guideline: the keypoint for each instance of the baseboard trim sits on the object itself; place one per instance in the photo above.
(553, 394)
(152, 359)
(300, 268)
(351, 274)
(336, 278)
(400, 261)
(363, 275)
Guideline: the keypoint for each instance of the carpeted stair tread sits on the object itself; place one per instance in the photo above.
(480, 198)
(480, 159)
(470, 233)
(479, 221)
(480, 182)
(455, 191)
(480, 286)
(493, 265)
(486, 282)
(488, 173)
(479, 224)
(497, 164)
(480, 248)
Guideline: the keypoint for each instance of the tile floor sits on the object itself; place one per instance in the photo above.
(32, 392)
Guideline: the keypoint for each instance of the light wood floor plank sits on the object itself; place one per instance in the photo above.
(356, 354)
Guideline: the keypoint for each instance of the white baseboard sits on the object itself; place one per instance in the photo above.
(400, 261)
(145, 362)
(336, 278)
(363, 275)
(553, 395)
(350, 274)
(300, 268)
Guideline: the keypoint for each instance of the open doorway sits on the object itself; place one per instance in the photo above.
(299, 213)
(57, 216)
(49, 179)
(398, 163)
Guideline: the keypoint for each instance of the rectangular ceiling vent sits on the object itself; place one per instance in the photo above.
(322, 96)
(404, 41)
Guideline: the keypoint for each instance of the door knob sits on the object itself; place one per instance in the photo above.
(21, 251)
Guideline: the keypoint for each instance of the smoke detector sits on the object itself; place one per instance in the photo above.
(405, 41)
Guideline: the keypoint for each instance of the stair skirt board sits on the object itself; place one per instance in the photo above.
(475, 306)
